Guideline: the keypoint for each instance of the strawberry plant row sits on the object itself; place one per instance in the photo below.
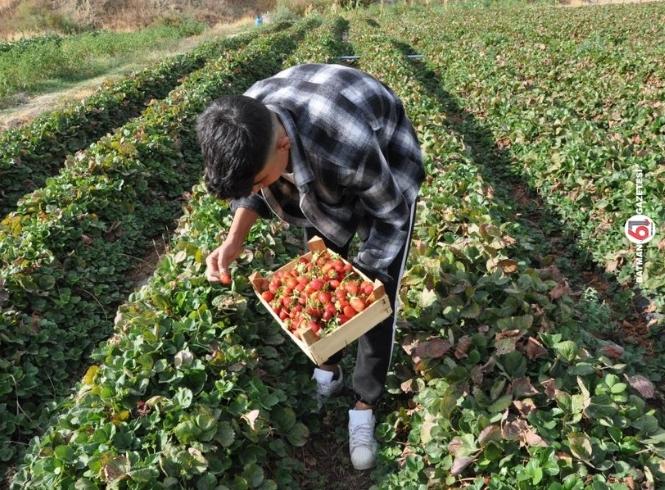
(67, 251)
(323, 45)
(32, 153)
(580, 115)
(197, 387)
(496, 383)
(194, 389)
(22, 44)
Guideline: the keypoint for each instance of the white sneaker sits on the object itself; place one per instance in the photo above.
(326, 386)
(362, 445)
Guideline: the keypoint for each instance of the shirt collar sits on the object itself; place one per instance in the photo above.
(301, 169)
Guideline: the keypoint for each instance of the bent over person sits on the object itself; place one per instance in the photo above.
(330, 149)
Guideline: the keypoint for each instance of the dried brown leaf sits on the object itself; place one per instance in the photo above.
(511, 430)
(116, 469)
(550, 388)
(455, 445)
(533, 439)
(642, 385)
(560, 290)
(508, 240)
(460, 463)
(505, 341)
(522, 387)
(535, 349)
(520, 430)
(432, 349)
(525, 407)
(462, 347)
(489, 433)
(508, 266)
(611, 350)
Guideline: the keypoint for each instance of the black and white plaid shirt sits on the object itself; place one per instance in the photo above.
(354, 155)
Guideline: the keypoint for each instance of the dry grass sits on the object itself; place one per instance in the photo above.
(584, 3)
(21, 18)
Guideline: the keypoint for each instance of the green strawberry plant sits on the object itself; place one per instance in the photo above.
(33, 152)
(192, 389)
(495, 384)
(576, 98)
(68, 249)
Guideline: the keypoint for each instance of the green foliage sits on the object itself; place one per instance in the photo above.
(26, 43)
(574, 97)
(322, 45)
(194, 388)
(191, 389)
(67, 250)
(496, 383)
(33, 66)
(31, 153)
(503, 377)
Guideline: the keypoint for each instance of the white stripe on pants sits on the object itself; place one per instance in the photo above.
(397, 306)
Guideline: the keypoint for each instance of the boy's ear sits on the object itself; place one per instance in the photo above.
(283, 143)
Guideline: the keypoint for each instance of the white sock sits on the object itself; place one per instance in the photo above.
(360, 416)
(323, 376)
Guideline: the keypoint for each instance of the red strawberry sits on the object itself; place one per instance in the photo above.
(352, 288)
(349, 311)
(314, 326)
(267, 295)
(357, 304)
(225, 278)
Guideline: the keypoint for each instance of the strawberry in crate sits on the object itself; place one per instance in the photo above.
(321, 292)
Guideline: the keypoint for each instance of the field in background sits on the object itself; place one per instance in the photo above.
(22, 107)
(40, 66)
(20, 18)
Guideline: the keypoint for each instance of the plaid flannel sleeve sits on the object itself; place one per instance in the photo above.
(254, 202)
(388, 211)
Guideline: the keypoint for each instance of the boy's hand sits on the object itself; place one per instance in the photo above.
(219, 260)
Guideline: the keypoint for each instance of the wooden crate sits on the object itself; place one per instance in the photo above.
(320, 349)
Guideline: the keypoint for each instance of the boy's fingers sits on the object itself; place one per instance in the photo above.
(211, 262)
(212, 277)
(212, 271)
(221, 267)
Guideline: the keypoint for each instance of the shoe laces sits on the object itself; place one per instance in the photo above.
(362, 434)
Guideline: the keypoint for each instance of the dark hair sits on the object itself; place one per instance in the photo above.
(235, 133)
